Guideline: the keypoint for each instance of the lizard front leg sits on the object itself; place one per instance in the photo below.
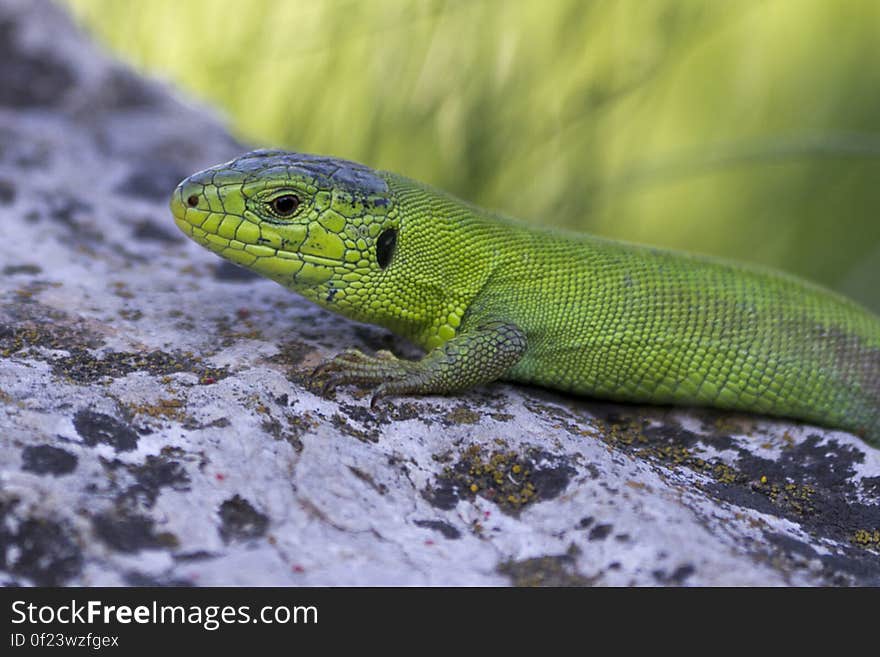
(474, 356)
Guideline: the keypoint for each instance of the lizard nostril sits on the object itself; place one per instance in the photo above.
(192, 201)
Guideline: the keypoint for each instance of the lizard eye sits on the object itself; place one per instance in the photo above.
(286, 205)
(385, 246)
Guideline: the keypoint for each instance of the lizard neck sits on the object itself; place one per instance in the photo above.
(446, 251)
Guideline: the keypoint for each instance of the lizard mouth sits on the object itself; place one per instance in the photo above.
(220, 244)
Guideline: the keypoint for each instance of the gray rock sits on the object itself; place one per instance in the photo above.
(159, 425)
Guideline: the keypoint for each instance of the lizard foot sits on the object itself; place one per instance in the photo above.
(481, 355)
(354, 366)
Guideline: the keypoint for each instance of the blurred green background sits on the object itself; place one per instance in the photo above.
(743, 128)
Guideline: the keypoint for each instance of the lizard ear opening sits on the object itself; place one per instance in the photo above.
(385, 244)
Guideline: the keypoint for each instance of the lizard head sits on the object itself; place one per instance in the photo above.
(323, 227)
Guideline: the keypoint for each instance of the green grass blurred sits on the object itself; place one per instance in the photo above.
(743, 128)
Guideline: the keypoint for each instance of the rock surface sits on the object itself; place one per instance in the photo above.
(158, 424)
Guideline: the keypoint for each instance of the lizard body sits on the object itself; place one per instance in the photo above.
(491, 298)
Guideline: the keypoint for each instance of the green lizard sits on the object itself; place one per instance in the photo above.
(489, 298)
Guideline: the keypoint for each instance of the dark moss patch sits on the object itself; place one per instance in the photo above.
(376, 339)
(562, 419)
(23, 270)
(853, 567)
(23, 154)
(75, 216)
(364, 415)
(82, 366)
(7, 192)
(148, 230)
(367, 478)
(403, 410)
(98, 428)
(676, 577)
(791, 545)
(219, 423)
(152, 182)
(151, 476)
(231, 331)
(30, 79)
(47, 459)
(46, 332)
(600, 532)
(123, 90)
(871, 487)
(829, 465)
(136, 578)
(66, 209)
(226, 271)
(371, 421)
(291, 353)
(158, 472)
(813, 482)
(239, 520)
(198, 555)
(43, 550)
(674, 447)
(444, 528)
(131, 315)
(369, 434)
(668, 444)
(556, 570)
(550, 474)
(291, 430)
(461, 414)
(510, 479)
(130, 532)
(444, 494)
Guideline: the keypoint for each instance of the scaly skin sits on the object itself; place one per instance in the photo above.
(489, 298)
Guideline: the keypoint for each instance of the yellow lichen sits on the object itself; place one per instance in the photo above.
(170, 409)
(867, 538)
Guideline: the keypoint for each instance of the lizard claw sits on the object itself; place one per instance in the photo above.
(338, 363)
(383, 370)
(374, 400)
(328, 387)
